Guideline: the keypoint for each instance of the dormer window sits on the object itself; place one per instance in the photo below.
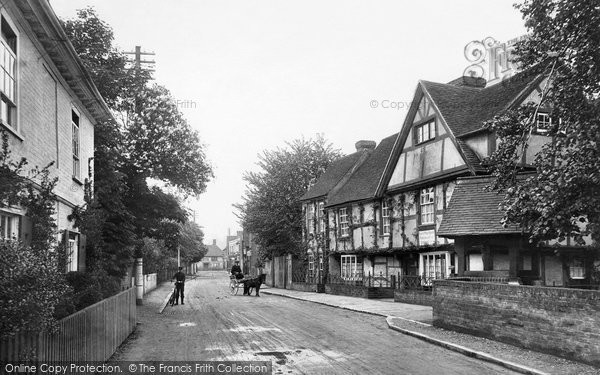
(425, 132)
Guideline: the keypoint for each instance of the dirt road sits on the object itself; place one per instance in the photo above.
(298, 337)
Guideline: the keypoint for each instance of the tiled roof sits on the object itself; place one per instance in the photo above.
(471, 156)
(466, 108)
(328, 180)
(363, 183)
(213, 251)
(473, 210)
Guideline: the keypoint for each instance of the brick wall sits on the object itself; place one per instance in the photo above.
(564, 322)
(359, 291)
(415, 297)
(307, 287)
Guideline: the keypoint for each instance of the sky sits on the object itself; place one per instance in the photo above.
(251, 75)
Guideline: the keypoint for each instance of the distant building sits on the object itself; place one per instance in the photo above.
(214, 258)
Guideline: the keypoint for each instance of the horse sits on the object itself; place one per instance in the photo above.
(255, 283)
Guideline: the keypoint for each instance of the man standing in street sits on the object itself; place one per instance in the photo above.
(179, 285)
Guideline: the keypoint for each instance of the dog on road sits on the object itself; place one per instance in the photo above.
(254, 283)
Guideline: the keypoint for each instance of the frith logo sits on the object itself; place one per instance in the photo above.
(185, 104)
(490, 59)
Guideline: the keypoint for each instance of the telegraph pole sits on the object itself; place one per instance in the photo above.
(137, 60)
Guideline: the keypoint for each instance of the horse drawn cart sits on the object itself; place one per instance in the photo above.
(247, 283)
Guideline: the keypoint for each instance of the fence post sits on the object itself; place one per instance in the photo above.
(139, 281)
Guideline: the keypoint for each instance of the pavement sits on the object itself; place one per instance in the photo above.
(415, 320)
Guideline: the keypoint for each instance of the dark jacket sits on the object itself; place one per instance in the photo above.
(236, 270)
(179, 276)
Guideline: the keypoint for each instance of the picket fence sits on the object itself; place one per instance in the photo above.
(92, 334)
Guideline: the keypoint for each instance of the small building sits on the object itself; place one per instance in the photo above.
(214, 259)
(488, 250)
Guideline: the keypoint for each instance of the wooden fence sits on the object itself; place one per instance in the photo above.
(92, 334)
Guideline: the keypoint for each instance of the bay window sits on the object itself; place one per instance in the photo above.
(351, 268)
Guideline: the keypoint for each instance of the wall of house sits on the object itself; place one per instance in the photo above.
(368, 236)
(44, 132)
(418, 161)
(564, 322)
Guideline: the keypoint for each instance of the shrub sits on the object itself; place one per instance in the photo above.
(31, 287)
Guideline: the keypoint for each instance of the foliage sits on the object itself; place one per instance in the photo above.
(39, 202)
(31, 286)
(563, 197)
(191, 244)
(32, 280)
(271, 208)
(155, 255)
(153, 140)
(106, 220)
(11, 182)
(93, 40)
(161, 144)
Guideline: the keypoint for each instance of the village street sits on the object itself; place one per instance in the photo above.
(298, 337)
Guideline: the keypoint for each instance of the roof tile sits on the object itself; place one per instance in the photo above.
(363, 183)
(474, 210)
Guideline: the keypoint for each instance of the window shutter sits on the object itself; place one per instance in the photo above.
(338, 226)
(379, 213)
(65, 246)
(81, 253)
(20, 227)
(418, 206)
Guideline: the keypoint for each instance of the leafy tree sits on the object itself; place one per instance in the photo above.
(191, 243)
(156, 257)
(271, 208)
(93, 40)
(153, 140)
(160, 143)
(563, 197)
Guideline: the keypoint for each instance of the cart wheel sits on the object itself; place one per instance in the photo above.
(234, 287)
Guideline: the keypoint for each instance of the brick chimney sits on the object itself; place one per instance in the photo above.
(467, 81)
(214, 242)
(365, 145)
